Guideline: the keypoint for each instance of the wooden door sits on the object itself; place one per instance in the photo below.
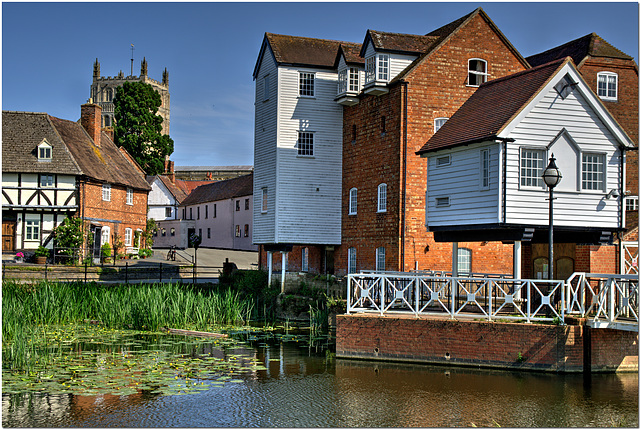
(8, 235)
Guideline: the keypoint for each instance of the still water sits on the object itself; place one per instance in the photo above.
(303, 386)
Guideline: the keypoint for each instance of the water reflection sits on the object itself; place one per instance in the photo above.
(302, 387)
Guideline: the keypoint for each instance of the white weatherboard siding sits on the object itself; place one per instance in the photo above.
(308, 189)
(159, 199)
(470, 203)
(573, 207)
(265, 146)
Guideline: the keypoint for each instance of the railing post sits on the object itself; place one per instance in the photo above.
(454, 287)
(160, 281)
(85, 272)
(348, 292)
(490, 286)
(126, 273)
(45, 271)
(562, 299)
(612, 297)
(529, 301)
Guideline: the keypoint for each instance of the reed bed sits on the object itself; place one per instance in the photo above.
(28, 309)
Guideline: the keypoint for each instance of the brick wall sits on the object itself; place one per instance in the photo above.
(471, 343)
(114, 213)
(435, 88)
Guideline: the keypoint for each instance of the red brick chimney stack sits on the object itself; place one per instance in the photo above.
(91, 120)
(172, 175)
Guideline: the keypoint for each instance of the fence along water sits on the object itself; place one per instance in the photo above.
(608, 300)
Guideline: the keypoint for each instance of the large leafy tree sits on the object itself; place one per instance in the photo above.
(138, 127)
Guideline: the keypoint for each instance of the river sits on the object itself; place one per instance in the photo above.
(302, 386)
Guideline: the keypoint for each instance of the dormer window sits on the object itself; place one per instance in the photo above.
(354, 79)
(477, 72)
(377, 68)
(44, 151)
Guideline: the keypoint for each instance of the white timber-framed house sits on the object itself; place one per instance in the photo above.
(39, 181)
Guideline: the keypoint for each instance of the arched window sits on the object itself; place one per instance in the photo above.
(353, 201)
(382, 198)
(109, 94)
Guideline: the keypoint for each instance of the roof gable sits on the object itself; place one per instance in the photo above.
(397, 42)
(446, 32)
(22, 134)
(351, 54)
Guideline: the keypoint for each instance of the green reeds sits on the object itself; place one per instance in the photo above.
(28, 309)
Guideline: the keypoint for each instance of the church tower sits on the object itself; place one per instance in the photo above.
(103, 89)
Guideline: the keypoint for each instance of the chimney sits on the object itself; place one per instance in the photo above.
(171, 174)
(91, 120)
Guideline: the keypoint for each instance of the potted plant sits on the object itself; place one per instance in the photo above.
(41, 254)
(106, 252)
(19, 257)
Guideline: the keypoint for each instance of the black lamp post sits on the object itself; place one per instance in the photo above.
(551, 176)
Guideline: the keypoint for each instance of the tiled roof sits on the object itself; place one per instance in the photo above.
(187, 186)
(351, 52)
(221, 190)
(491, 107)
(404, 43)
(305, 51)
(215, 168)
(22, 132)
(589, 45)
(103, 164)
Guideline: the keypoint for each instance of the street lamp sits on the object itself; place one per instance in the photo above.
(551, 176)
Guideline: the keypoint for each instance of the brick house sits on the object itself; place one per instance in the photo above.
(109, 188)
(394, 91)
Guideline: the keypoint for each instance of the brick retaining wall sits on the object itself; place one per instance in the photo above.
(485, 344)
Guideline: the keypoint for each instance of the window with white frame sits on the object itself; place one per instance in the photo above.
(106, 192)
(484, 168)
(305, 143)
(32, 230)
(631, 203)
(351, 263)
(342, 81)
(46, 180)
(477, 72)
(307, 84)
(382, 197)
(532, 164)
(464, 260)
(130, 196)
(304, 259)
(265, 88)
(377, 68)
(264, 206)
(44, 151)
(608, 86)
(104, 239)
(438, 123)
(380, 259)
(128, 236)
(354, 79)
(383, 67)
(353, 201)
(593, 171)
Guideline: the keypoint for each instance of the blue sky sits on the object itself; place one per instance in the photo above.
(210, 49)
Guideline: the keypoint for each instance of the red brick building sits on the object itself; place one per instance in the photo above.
(112, 190)
(395, 90)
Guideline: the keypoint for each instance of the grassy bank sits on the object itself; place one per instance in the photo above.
(28, 309)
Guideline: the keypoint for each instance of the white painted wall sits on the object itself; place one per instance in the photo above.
(159, 199)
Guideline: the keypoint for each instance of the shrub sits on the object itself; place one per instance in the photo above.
(42, 251)
(106, 250)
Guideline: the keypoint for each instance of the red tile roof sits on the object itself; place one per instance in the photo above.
(491, 107)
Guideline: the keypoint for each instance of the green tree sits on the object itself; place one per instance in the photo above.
(69, 238)
(138, 127)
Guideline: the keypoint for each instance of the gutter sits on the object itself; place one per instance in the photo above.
(405, 102)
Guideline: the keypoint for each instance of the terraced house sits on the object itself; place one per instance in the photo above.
(338, 184)
(54, 168)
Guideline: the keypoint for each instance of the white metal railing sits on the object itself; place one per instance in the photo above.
(477, 297)
(606, 299)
